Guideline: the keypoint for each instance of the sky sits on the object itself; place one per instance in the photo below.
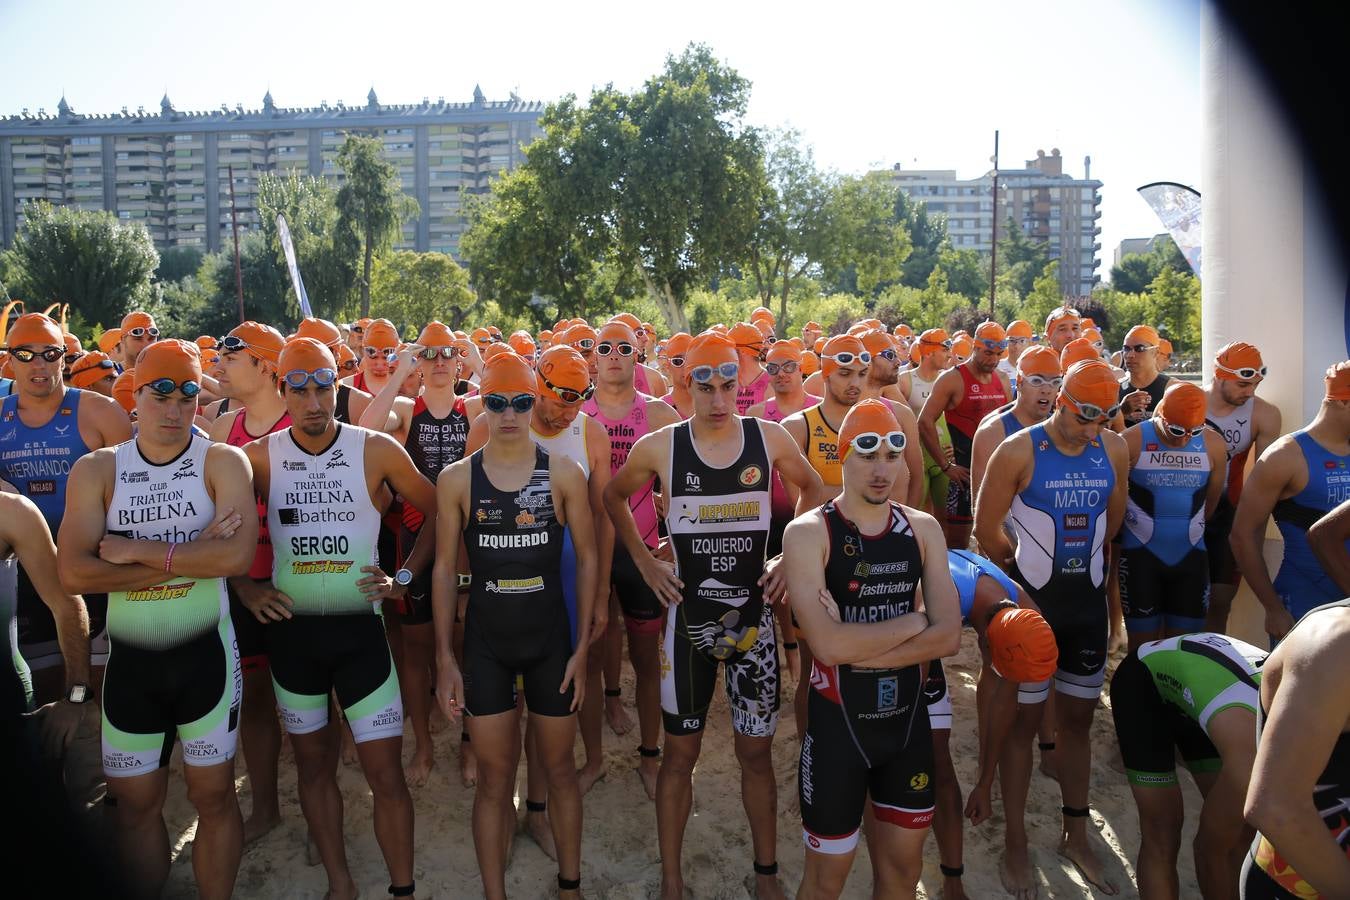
(867, 84)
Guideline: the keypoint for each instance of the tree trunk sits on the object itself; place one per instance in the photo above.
(670, 308)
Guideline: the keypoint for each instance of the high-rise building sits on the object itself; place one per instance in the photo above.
(1048, 205)
(171, 171)
(1136, 246)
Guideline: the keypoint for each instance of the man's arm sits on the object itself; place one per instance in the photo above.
(1327, 538)
(1220, 842)
(805, 549)
(110, 421)
(26, 531)
(1266, 425)
(221, 426)
(946, 392)
(81, 568)
(910, 492)
(452, 488)
(598, 451)
(379, 414)
(987, 438)
(1308, 712)
(788, 460)
(397, 469)
(478, 435)
(647, 460)
(1218, 469)
(572, 488)
(1271, 480)
(1114, 445)
(357, 401)
(1012, 460)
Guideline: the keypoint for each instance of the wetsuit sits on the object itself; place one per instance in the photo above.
(867, 734)
(1164, 694)
(1301, 582)
(641, 610)
(718, 520)
(1266, 875)
(247, 629)
(1164, 567)
(37, 461)
(1236, 428)
(173, 666)
(977, 401)
(432, 443)
(516, 623)
(1060, 522)
(324, 529)
(1155, 390)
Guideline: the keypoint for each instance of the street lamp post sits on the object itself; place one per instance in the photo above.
(993, 240)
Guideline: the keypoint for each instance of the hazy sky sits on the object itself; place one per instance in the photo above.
(868, 84)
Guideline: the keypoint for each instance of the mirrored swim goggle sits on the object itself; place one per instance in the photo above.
(296, 379)
(23, 354)
(520, 403)
(704, 374)
(567, 395)
(1090, 412)
(166, 386)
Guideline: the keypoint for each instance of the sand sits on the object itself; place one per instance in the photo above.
(619, 857)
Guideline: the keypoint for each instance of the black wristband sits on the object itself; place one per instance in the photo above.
(1046, 745)
(613, 692)
(1075, 812)
(952, 871)
(535, 806)
(789, 645)
(406, 890)
(649, 752)
(770, 869)
(569, 884)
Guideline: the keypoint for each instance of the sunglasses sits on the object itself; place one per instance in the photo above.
(1138, 348)
(584, 344)
(846, 357)
(787, 367)
(1177, 430)
(1088, 413)
(997, 346)
(166, 386)
(356, 329)
(23, 354)
(298, 378)
(1245, 373)
(567, 395)
(605, 348)
(704, 374)
(1037, 381)
(141, 332)
(430, 353)
(387, 353)
(496, 403)
(870, 441)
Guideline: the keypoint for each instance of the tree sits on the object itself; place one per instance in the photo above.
(1136, 271)
(83, 257)
(1174, 308)
(967, 274)
(865, 234)
(327, 261)
(371, 205)
(267, 294)
(410, 289)
(928, 237)
(177, 263)
(1020, 260)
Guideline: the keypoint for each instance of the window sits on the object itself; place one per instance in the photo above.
(241, 137)
(83, 141)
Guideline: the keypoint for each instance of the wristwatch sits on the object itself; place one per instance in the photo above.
(403, 577)
(78, 693)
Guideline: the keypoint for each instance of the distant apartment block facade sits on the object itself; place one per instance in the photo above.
(171, 171)
(1048, 205)
(1135, 246)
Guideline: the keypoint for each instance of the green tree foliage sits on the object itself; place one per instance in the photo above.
(410, 289)
(371, 205)
(86, 258)
(177, 263)
(928, 235)
(1045, 295)
(327, 260)
(267, 294)
(1174, 309)
(1021, 261)
(967, 273)
(1136, 271)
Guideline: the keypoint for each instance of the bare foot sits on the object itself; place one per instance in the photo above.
(468, 765)
(953, 889)
(1014, 871)
(258, 825)
(647, 770)
(539, 830)
(1087, 864)
(438, 722)
(587, 777)
(312, 857)
(672, 890)
(419, 767)
(347, 893)
(619, 721)
(766, 887)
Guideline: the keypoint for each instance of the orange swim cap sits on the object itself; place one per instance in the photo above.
(840, 343)
(124, 391)
(1020, 328)
(1039, 361)
(1142, 334)
(783, 351)
(35, 330)
(1076, 351)
(746, 337)
(90, 368)
(322, 330)
(507, 374)
(931, 341)
(1183, 403)
(169, 358)
(436, 334)
(562, 367)
(137, 319)
(382, 335)
(709, 349)
(109, 339)
(522, 343)
(260, 341)
(1021, 645)
(1090, 381)
(302, 354)
(863, 417)
(1237, 356)
(1338, 381)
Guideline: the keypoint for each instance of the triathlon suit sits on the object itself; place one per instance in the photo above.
(1301, 582)
(641, 610)
(1236, 429)
(866, 733)
(1155, 389)
(359, 381)
(1009, 421)
(342, 410)
(324, 528)
(782, 508)
(1165, 694)
(719, 526)
(977, 401)
(822, 446)
(248, 630)
(752, 394)
(16, 686)
(1266, 875)
(966, 569)
(1164, 567)
(37, 462)
(1060, 522)
(570, 442)
(173, 666)
(516, 623)
(641, 382)
(669, 400)
(936, 482)
(432, 444)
